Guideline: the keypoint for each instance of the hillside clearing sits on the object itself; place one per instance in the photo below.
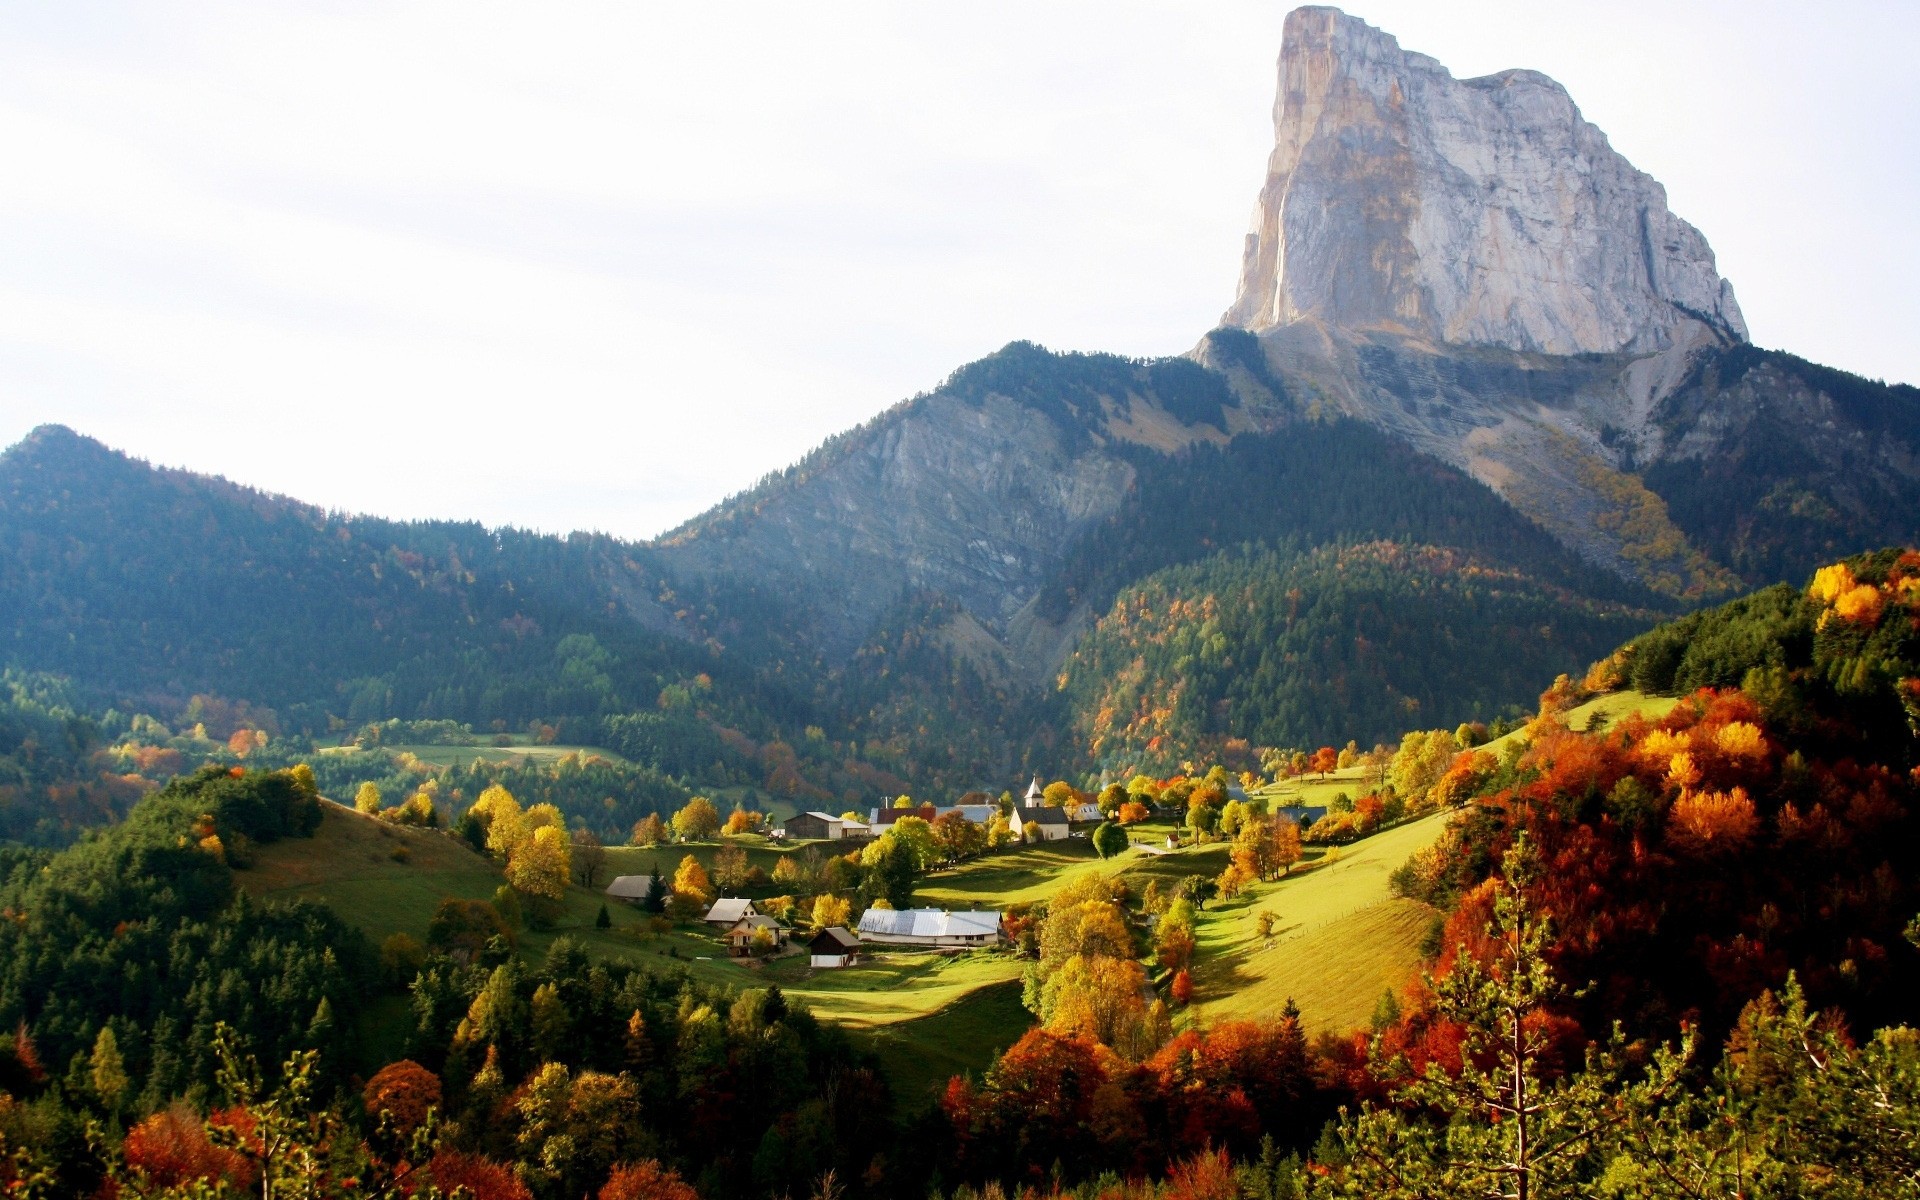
(350, 864)
(1340, 938)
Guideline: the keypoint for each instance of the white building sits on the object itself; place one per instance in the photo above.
(1048, 824)
(933, 927)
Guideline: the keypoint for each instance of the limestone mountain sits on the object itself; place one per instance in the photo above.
(1464, 211)
(1469, 265)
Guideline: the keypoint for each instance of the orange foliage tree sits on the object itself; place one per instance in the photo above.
(646, 1180)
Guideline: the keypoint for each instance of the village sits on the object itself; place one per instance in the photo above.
(750, 934)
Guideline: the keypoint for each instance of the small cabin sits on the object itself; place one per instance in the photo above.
(833, 947)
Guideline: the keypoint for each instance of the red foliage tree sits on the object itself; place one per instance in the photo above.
(405, 1090)
(170, 1149)
(646, 1181)
(485, 1179)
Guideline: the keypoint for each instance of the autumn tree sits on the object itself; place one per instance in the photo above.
(1173, 942)
(892, 869)
(649, 830)
(368, 799)
(829, 910)
(1325, 759)
(1087, 982)
(691, 880)
(793, 869)
(645, 1180)
(742, 820)
(1058, 794)
(107, 1071)
(541, 864)
(589, 857)
(403, 1093)
(697, 821)
(730, 868)
(955, 837)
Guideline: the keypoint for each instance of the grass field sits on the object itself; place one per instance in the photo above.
(1313, 790)
(1340, 938)
(919, 1055)
(350, 864)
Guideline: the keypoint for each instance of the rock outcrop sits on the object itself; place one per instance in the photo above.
(1468, 211)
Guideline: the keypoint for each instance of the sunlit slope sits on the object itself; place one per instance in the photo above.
(1339, 940)
(384, 878)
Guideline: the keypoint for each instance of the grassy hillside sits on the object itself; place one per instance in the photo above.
(1340, 939)
(350, 864)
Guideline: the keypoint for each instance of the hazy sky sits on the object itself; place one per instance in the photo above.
(596, 266)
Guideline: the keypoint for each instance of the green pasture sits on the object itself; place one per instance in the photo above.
(921, 1053)
(1339, 940)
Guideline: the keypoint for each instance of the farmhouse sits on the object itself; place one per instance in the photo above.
(833, 947)
(726, 912)
(741, 933)
(1048, 824)
(933, 927)
(633, 889)
(819, 826)
(1084, 812)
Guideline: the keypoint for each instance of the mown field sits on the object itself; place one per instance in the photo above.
(1339, 940)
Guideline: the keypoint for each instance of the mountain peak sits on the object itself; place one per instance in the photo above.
(1480, 211)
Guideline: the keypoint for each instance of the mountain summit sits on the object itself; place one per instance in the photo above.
(1470, 211)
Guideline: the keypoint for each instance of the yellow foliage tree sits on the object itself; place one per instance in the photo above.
(691, 880)
(1741, 739)
(1103, 999)
(368, 799)
(829, 909)
(697, 821)
(542, 863)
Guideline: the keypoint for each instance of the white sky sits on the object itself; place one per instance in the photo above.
(598, 265)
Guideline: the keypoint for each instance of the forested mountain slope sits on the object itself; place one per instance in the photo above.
(1305, 648)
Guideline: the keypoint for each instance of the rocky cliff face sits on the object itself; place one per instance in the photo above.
(1468, 211)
